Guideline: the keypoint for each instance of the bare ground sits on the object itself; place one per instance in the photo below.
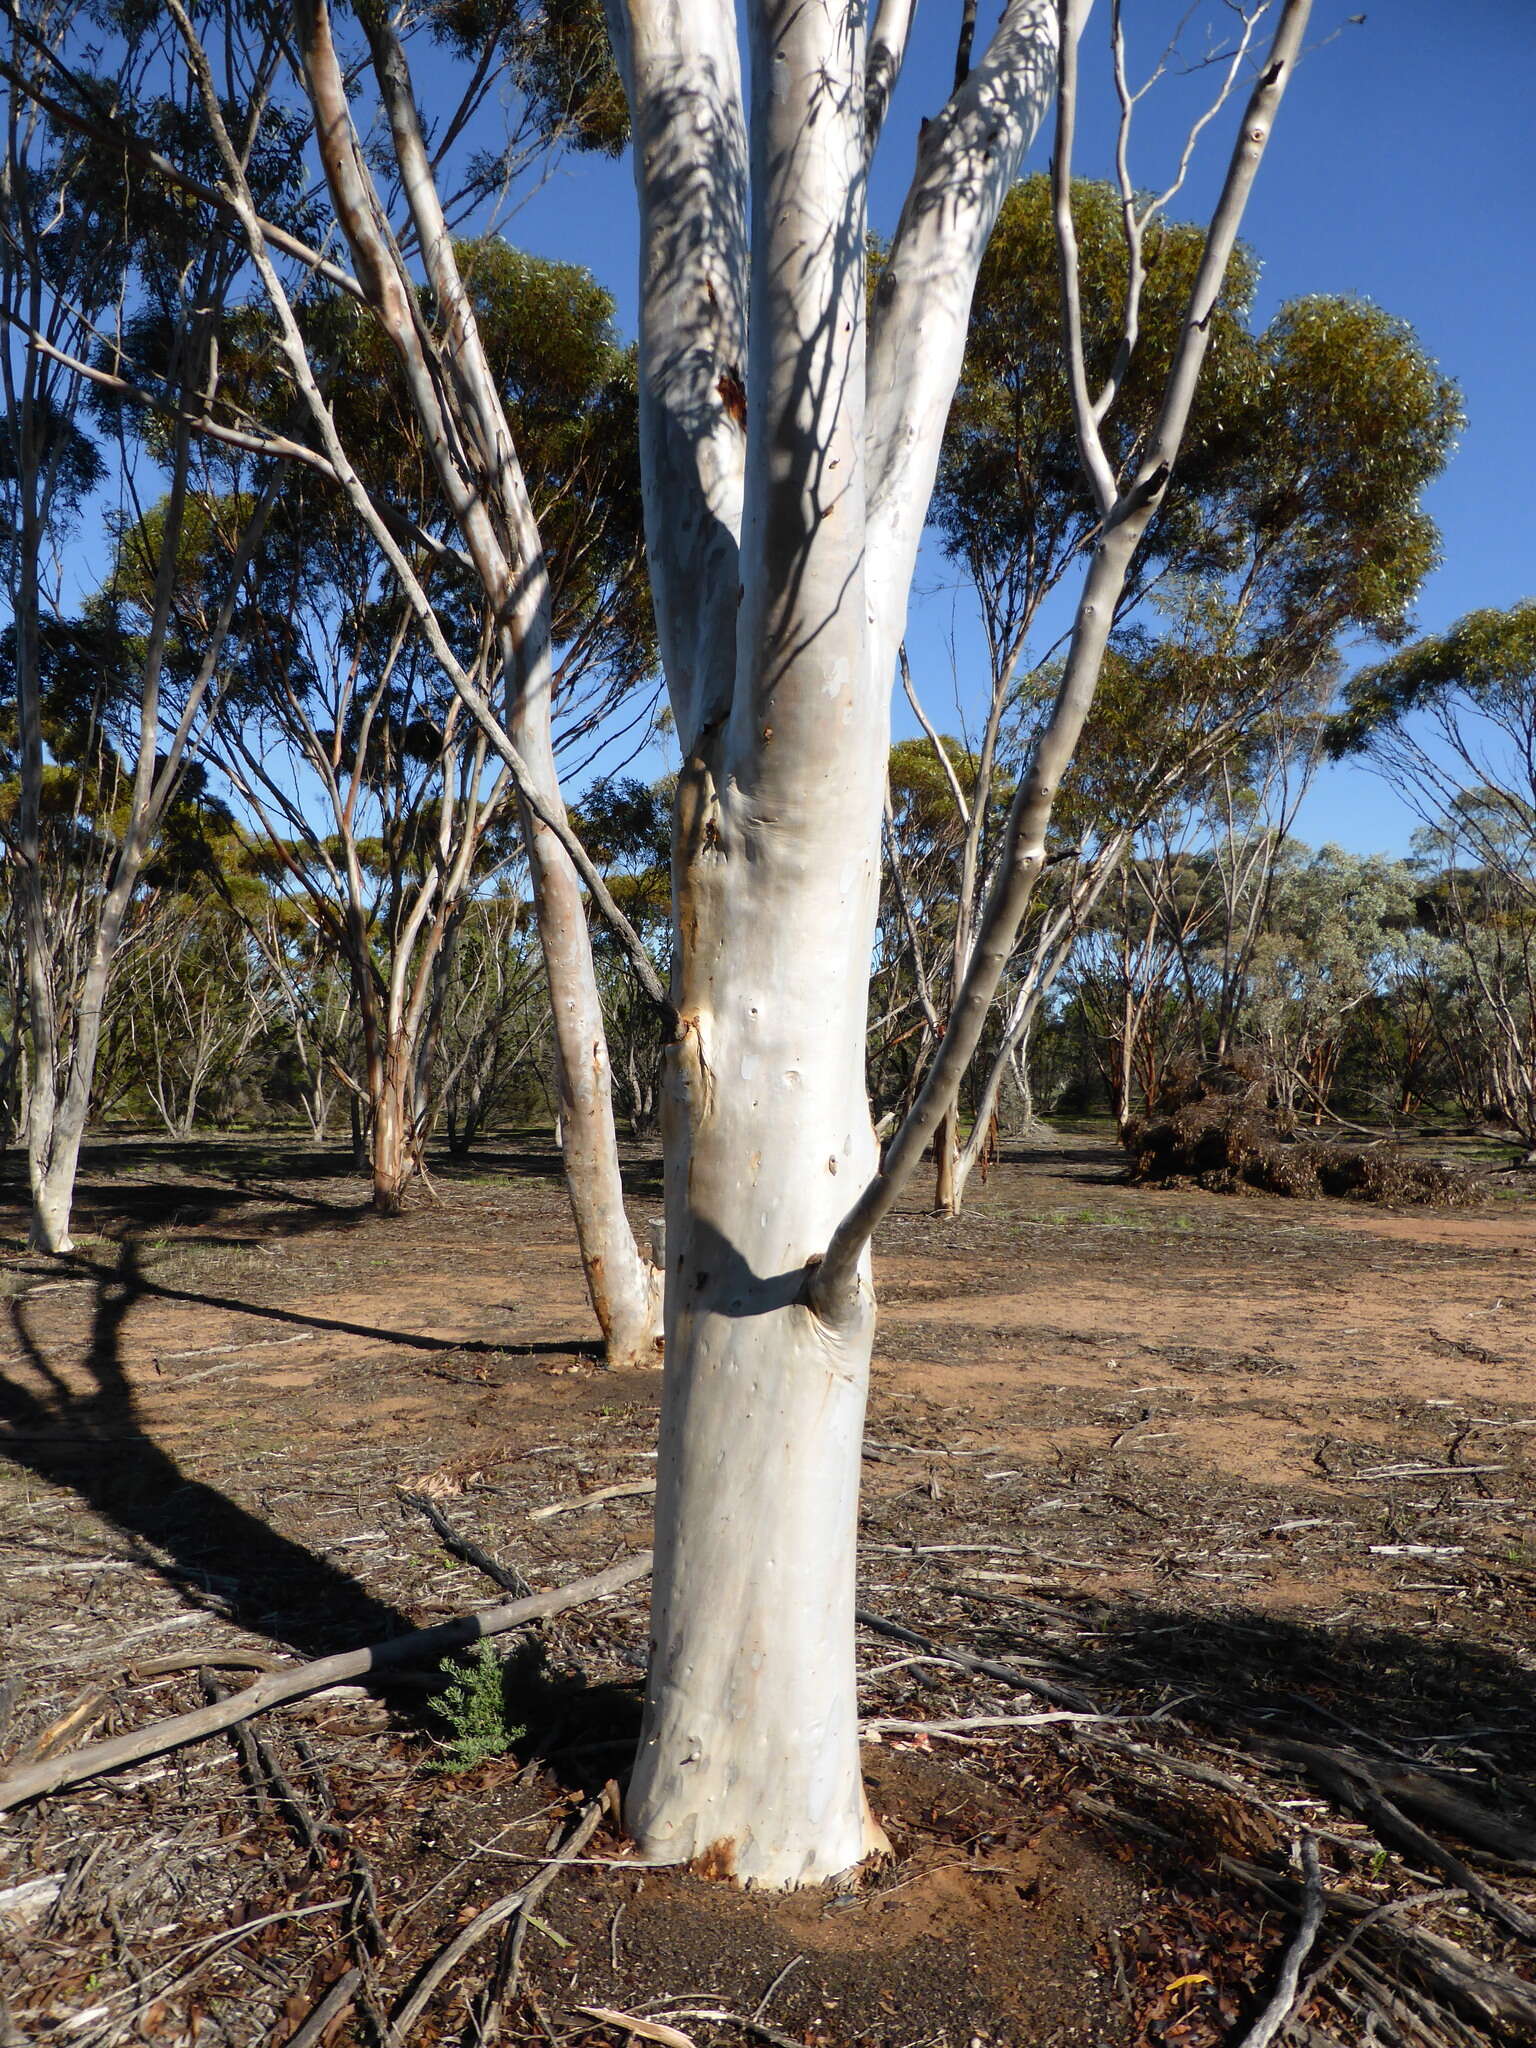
(1256, 1478)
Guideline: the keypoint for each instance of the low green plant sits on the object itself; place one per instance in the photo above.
(474, 1706)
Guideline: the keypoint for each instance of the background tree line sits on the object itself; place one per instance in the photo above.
(263, 866)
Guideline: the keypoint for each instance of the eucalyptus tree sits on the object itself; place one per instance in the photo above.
(1158, 961)
(1296, 519)
(353, 760)
(208, 175)
(495, 1026)
(782, 554)
(86, 245)
(789, 436)
(787, 459)
(347, 748)
(189, 1005)
(626, 826)
(1451, 722)
(1336, 920)
(914, 942)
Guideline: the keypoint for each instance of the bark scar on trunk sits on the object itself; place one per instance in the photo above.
(688, 1051)
(717, 1861)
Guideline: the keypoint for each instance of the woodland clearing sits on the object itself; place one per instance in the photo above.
(1254, 1479)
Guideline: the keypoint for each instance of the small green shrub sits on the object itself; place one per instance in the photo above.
(474, 1706)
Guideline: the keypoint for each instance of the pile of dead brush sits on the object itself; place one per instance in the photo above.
(1214, 1126)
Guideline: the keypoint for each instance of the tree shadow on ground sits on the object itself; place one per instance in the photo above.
(1442, 1701)
(106, 1276)
(92, 1441)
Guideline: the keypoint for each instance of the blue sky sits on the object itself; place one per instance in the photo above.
(1403, 168)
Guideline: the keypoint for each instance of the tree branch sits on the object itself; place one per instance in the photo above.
(832, 1283)
(421, 1646)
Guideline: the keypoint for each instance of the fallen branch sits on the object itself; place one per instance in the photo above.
(592, 1500)
(206, 1660)
(1321, 1971)
(267, 1778)
(418, 1647)
(411, 2007)
(1483, 1989)
(1356, 1787)
(79, 1717)
(969, 1721)
(335, 2002)
(1197, 1773)
(499, 1574)
(1283, 2000)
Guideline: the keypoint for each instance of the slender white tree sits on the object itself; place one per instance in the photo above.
(101, 760)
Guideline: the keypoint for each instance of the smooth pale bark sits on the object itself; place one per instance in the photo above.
(946, 1159)
(779, 664)
(749, 1759)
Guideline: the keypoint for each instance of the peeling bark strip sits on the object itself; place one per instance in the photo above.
(784, 509)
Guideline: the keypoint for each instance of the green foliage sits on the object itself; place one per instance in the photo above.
(1294, 512)
(1011, 501)
(560, 54)
(1347, 422)
(474, 1705)
(1488, 658)
(626, 826)
(570, 76)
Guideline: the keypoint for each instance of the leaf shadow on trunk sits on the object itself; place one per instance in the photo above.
(92, 1440)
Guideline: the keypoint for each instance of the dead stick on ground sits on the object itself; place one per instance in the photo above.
(472, 1553)
(206, 1660)
(1282, 2002)
(1354, 1788)
(1363, 1927)
(1494, 1991)
(593, 1500)
(267, 1777)
(958, 1726)
(499, 1574)
(984, 1667)
(414, 2003)
(504, 1977)
(419, 1647)
(335, 2002)
(78, 1718)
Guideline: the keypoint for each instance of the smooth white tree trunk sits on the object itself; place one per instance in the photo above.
(781, 559)
(750, 1759)
(787, 484)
